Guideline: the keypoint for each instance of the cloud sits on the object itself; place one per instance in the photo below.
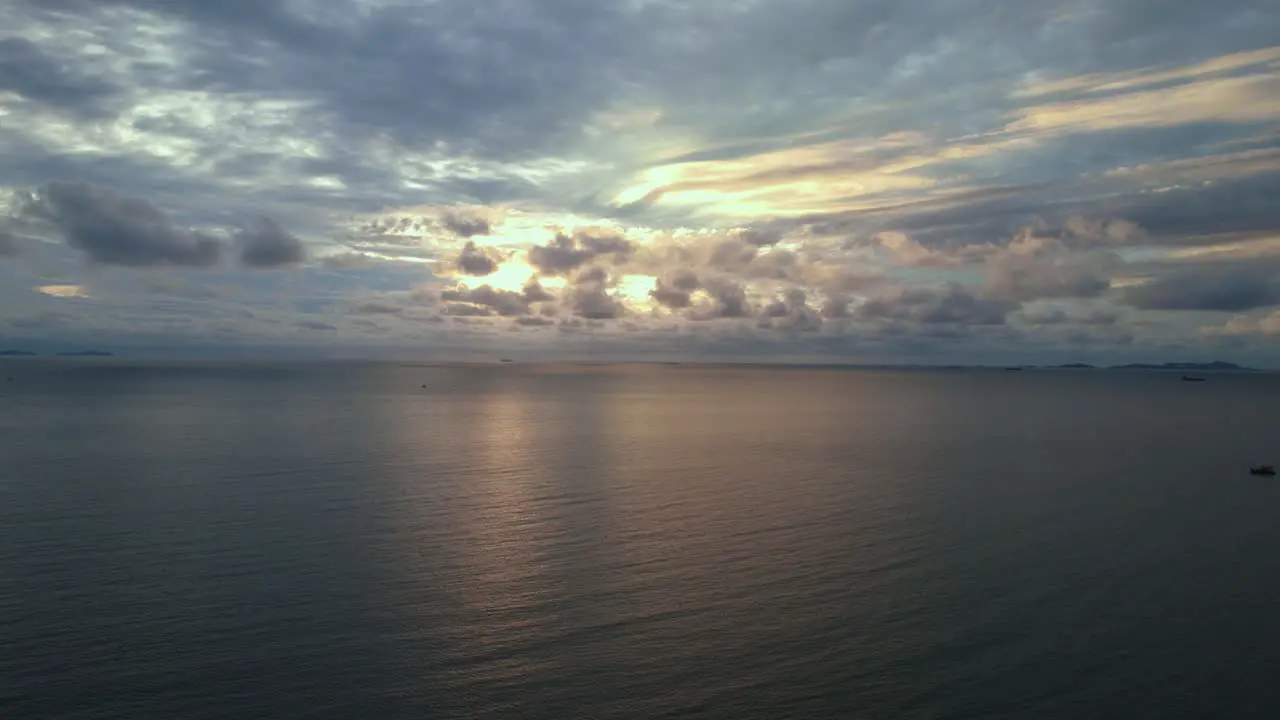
(534, 292)
(655, 162)
(115, 230)
(1207, 92)
(9, 245)
(29, 72)
(1266, 326)
(378, 307)
(1060, 317)
(565, 253)
(589, 296)
(502, 302)
(267, 245)
(835, 307)
(727, 299)
(478, 261)
(465, 226)
(952, 305)
(315, 325)
(675, 290)
(1032, 267)
(347, 261)
(790, 312)
(535, 321)
(465, 310)
(1221, 288)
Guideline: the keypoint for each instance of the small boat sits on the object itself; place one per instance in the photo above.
(1192, 378)
(1267, 470)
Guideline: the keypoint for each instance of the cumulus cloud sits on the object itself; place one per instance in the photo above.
(478, 261)
(115, 230)
(465, 225)
(675, 290)
(835, 307)
(1032, 267)
(566, 253)
(727, 299)
(267, 245)
(589, 296)
(534, 292)
(790, 312)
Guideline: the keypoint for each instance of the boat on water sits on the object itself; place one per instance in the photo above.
(1267, 470)
(1192, 378)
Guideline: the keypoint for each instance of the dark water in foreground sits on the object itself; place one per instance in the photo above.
(512, 542)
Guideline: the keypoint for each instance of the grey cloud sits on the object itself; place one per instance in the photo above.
(1031, 268)
(466, 310)
(535, 321)
(8, 243)
(564, 253)
(477, 261)
(267, 245)
(315, 325)
(760, 237)
(592, 275)
(378, 307)
(115, 230)
(732, 255)
(1214, 288)
(502, 302)
(670, 297)
(175, 287)
(729, 300)
(534, 292)
(28, 71)
(929, 306)
(835, 307)
(790, 312)
(595, 304)
(465, 226)
(1228, 205)
(589, 297)
(1058, 316)
(675, 289)
(40, 321)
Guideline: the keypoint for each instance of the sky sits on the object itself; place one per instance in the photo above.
(877, 181)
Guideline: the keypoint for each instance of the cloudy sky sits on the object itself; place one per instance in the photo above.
(865, 180)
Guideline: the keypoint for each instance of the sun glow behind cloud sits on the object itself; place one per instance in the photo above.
(64, 291)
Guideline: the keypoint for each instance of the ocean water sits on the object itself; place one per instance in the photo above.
(381, 541)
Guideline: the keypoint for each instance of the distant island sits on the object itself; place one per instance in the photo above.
(1215, 365)
(86, 353)
(16, 353)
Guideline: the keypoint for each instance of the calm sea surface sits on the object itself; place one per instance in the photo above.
(362, 541)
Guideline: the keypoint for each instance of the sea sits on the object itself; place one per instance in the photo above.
(348, 540)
